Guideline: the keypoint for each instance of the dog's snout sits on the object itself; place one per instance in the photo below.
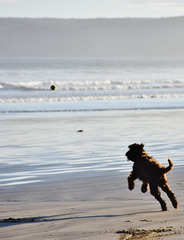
(126, 154)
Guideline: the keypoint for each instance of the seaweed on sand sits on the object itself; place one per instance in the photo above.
(134, 234)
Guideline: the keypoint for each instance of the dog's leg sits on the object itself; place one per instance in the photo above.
(170, 194)
(131, 180)
(156, 193)
(144, 187)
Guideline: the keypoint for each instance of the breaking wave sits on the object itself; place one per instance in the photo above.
(92, 85)
(84, 80)
(38, 91)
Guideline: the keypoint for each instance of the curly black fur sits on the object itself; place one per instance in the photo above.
(151, 173)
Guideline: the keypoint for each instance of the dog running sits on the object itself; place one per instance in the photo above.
(151, 173)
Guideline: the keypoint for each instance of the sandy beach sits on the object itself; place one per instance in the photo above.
(64, 184)
(89, 208)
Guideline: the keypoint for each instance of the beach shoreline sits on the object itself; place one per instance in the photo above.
(63, 169)
(58, 183)
(88, 208)
(38, 147)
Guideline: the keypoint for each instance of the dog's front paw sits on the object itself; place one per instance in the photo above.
(131, 186)
(144, 187)
(131, 183)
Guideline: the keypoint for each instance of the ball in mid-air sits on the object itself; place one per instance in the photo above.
(53, 87)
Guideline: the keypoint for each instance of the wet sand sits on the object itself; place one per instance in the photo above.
(89, 208)
(57, 183)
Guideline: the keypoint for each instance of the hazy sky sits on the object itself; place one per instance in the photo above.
(91, 8)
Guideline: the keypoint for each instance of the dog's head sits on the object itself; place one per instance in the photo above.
(135, 152)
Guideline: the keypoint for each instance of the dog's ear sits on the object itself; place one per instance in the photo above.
(132, 145)
(136, 145)
(142, 145)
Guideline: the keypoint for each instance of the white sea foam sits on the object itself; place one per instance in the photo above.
(88, 98)
(93, 85)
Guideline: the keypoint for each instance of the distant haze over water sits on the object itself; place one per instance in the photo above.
(129, 37)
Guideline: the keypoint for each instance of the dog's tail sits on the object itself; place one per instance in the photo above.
(169, 168)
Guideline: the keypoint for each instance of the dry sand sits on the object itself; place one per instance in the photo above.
(89, 208)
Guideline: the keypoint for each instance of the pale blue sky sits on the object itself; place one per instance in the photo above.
(91, 8)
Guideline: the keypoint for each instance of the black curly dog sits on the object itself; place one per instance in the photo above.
(149, 171)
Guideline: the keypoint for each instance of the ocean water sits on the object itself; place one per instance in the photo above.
(91, 84)
(114, 101)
